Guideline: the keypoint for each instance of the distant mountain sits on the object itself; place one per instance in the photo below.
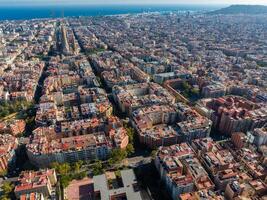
(242, 9)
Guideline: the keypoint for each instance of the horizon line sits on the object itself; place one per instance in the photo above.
(124, 4)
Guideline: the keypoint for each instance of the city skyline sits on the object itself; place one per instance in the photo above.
(136, 100)
(133, 2)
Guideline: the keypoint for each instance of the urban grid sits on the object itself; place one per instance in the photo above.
(139, 106)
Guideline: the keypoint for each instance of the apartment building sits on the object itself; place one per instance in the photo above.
(41, 182)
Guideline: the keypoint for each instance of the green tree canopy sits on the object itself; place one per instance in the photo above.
(76, 167)
(195, 91)
(153, 153)
(62, 169)
(3, 173)
(130, 133)
(65, 181)
(117, 155)
(7, 189)
(97, 168)
(130, 149)
(186, 85)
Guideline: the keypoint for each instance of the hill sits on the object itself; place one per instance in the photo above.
(242, 9)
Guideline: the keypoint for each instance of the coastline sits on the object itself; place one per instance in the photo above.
(54, 12)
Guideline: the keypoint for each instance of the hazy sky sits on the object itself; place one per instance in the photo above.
(46, 2)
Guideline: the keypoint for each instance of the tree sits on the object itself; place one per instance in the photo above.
(97, 168)
(64, 169)
(54, 165)
(153, 153)
(130, 133)
(65, 181)
(195, 92)
(7, 189)
(186, 93)
(118, 173)
(3, 197)
(80, 175)
(117, 155)
(130, 146)
(77, 166)
(3, 173)
(4, 113)
(111, 161)
(186, 85)
(130, 149)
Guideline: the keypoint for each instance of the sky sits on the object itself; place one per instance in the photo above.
(72, 2)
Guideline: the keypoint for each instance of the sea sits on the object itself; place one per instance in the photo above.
(55, 11)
